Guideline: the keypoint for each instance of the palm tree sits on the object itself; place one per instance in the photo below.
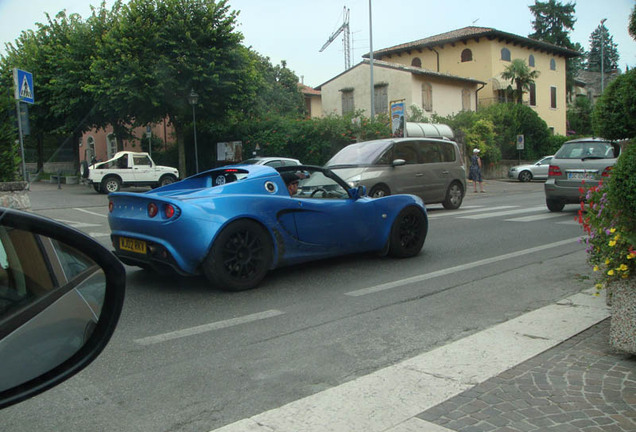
(521, 76)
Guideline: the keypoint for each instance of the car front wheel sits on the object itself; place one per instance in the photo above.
(554, 205)
(525, 176)
(240, 256)
(454, 196)
(379, 191)
(408, 233)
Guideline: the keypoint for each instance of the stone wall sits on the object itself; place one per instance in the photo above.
(15, 195)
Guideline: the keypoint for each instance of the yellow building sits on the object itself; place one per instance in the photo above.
(482, 54)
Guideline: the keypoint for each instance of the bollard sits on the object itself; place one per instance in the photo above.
(59, 179)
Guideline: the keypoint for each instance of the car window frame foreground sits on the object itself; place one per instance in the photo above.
(115, 278)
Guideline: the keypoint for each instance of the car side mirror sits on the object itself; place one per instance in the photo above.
(61, 295)
(398, 162)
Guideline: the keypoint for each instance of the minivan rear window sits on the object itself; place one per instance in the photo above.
(588, 149)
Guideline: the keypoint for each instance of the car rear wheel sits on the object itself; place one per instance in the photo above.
(240, 256)
(454, 196)
(554, 205)
(110, 184)
(166, 180)
(379, 191)
(525, 176)
(408, 233)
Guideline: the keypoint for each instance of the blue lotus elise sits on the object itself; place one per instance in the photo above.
(233, 224)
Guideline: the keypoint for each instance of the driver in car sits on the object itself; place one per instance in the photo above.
(291, 180)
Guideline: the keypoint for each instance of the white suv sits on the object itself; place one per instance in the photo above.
(127, 169)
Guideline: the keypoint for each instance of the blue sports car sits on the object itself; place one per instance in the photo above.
(233, 224)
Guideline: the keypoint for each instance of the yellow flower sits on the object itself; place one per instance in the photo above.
(623, 267)
(611, 272)
(612, 230)
(631, 255)
(607, 261)
(612, 243)
(598, 286)
(596, 268)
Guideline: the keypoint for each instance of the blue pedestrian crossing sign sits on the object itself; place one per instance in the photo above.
(23, 82)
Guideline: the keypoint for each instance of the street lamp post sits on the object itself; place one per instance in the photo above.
(602, 56)
(193, 98)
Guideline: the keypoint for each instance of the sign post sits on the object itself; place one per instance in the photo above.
(23, 85)
(520, 145)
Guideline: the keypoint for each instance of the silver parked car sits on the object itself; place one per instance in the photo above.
(274, 162)
(534, 171)
(430, 168)
(577, 166)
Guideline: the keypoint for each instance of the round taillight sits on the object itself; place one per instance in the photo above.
(152, 210)
(111, 206)
(169, 211)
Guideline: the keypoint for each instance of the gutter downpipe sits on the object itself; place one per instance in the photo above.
(435, 51)
(477, 97)
(371, 62)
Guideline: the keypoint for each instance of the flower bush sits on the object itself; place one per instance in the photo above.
(608, 219)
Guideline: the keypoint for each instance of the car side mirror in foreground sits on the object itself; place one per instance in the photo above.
(61, 294)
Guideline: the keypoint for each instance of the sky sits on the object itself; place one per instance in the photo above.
(295, 30)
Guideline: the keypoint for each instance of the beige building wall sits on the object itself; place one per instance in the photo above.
(487, 65)
(446, 94)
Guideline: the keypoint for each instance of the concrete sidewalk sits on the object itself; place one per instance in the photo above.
(548, 370)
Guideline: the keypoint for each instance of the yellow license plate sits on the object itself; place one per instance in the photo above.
(132, 245)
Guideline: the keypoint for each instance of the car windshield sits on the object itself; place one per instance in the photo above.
(364, 153)
(587, 149)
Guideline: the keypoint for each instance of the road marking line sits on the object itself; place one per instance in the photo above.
(384, 400)
(90, 212)
(450, 270)
(208, 327)
(99, 234)
(536, 217)
(505, 213)
(78, 224)
(475, 209)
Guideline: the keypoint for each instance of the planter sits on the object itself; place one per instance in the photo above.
(623, 321)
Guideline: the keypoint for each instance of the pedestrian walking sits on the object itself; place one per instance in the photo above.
(475, 171)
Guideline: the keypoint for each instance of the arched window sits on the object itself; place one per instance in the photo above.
(552, 64)
(505, 54)
(531, 61)
(427, 97)
(467, 55)
(416, 62)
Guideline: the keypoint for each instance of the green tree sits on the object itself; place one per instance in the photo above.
(553, 23)
(521, 76)
(278, 90)
(632, 23)
(481, 135)
(9, 156)
(602, 45)
(160, 50)
(614, 115)
(579, 116)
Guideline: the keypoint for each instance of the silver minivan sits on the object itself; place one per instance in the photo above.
(430, 168)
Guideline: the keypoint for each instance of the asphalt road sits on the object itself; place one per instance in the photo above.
(189, 358)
